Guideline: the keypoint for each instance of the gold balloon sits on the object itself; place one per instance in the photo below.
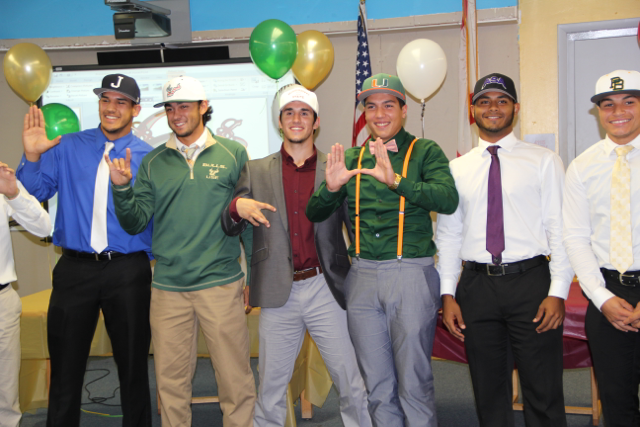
(314, 60)
(28, 70)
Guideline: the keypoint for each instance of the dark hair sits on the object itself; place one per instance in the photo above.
(207, 114)
(315, 116)
(400, 101)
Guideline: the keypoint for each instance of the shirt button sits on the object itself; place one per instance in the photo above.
(379, 217)
(377, 234)
(295, 234)
(379, 200)
(295, 191)
(296, 212)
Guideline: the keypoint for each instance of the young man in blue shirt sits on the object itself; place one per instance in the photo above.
(102, 267)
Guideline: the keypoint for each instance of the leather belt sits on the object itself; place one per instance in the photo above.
(628, 278)
(104, 256)
(305, 274)
(508, 268)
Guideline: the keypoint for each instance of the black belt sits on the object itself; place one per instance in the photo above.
(104, 256)
(628, 278)
(503, 269)
(4, 286)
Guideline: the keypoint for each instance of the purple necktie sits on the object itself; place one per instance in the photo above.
(495, 216)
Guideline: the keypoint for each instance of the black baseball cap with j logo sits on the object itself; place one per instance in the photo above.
(122, 84)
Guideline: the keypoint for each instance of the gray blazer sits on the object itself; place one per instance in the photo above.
(271, 261)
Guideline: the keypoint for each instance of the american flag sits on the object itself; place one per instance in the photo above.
(468, 74)
(363, 71)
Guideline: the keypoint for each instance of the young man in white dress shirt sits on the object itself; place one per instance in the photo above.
(507, 223)
(24, 208)
(602, 238)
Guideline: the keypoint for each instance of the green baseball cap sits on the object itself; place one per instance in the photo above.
(382, 83)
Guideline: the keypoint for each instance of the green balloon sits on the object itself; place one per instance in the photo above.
(59, 120)
(273, 46)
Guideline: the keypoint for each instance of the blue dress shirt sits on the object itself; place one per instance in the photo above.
(70, 169)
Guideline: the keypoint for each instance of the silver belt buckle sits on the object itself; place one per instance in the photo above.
(502, 273)
(626, 275)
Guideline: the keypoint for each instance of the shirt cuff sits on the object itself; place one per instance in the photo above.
(328, 196)
(121, 187)
(30, 167)
(19, 202)
(233, 210)
(559, 289)
(600, 296)
(448, 287)
(405, 186)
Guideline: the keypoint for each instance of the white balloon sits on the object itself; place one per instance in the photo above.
(422, 67)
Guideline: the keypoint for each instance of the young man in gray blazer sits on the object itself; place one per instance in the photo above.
(297, 268)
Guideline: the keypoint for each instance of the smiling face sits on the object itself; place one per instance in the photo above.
(116, 114)
(494, 113)
(185, 119)
(620, 117)
(384, 115)
(297, 122)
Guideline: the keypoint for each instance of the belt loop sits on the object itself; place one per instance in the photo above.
(97, 255)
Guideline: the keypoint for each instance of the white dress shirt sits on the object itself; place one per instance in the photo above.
(532, 179)
(27, 211)
(198, 144)
(586, 214)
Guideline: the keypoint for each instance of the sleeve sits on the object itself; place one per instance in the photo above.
(28, 212)
(449, 242)
(552, 180)
(437, 191)
(247, 232)
(577, 238)
(230, 226)
(323, 203)
(40, 178)
(135, 205)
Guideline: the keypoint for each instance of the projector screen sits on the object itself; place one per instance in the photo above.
(241, 96)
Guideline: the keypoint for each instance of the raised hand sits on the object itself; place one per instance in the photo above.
(383, 171)
(8, 183)
(34, 136)
(120, 169)
(337, 174)
(251, 210)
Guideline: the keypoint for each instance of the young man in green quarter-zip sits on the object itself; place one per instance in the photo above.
(184, 185)
(392, 290)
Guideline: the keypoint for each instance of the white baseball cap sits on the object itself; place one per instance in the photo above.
(299, 93)
(182, 89)
(619, 81)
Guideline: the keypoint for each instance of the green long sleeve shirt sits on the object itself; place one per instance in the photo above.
(191, 250)
(428, 187)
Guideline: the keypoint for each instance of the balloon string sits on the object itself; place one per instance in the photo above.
(423, 105)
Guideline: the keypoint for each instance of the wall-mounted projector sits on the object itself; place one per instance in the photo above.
(136, 19)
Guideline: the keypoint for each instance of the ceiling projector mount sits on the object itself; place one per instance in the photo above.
(135, 19)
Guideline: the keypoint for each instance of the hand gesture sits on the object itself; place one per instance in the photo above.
(8, 183)
(383, 171)
(120, 169)
(552, 309)
(452, 317)
(618, 311)
(337, 174)
(251, 210)
(34, 137)
(247, 306)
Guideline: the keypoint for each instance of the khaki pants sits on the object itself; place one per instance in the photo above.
(220, 313)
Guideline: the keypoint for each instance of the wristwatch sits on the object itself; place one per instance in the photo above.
(396, 182)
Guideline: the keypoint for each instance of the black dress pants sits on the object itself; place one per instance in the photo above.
(498, 312)
(616, 359)
(121, 287)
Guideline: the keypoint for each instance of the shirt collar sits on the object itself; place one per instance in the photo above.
(118, 144)
(199, 143)
(506, 143)
(609, 146)
(310, 161)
